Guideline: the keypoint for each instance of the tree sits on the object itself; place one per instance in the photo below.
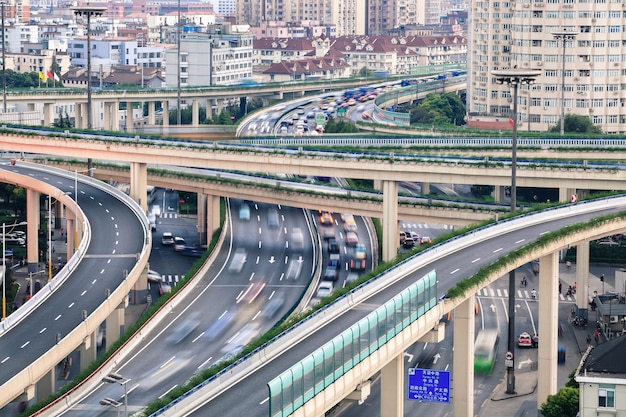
(439, 109)
(341, 125)
(575, 123)
(562, 404)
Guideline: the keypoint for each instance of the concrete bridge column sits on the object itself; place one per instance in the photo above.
(78, 115)
(88, 351)
(45, 386)
(48, 114)
(139, 184)
(390, 220)
(378, 185)
(218, 106)
(130, 121)
(212, 215)
(548, 326)
(195, 113)
(463, 359)
(565, 194)
(151, 113)
(72, 238)
(166, 113)
(425, 188)
(498, 193)
(202, 218)
(115, 116)
(392, 388)
(33, 219)
(582, 278)
(114, 324)
(106, 122)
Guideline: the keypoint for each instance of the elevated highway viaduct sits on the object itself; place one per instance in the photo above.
(387, 171)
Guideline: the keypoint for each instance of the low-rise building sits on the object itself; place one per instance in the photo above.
(602, 380)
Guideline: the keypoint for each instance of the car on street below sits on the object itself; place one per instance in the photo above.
(425, 240)
(326, 218)
(179, 244)
(525, 340)
(244, 212)
(352, 239)
(167, 238)
(164, 288)
(357, 264)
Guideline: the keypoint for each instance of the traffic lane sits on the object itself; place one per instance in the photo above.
(171, 361)
(448, 274)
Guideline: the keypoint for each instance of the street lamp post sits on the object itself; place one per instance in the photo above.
(514, 77)
(563, 36)
(114, 378)
(88, 12)
(4, 73)
(111, 401)
(4, 270)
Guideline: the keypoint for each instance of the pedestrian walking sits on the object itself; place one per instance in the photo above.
(559, 287)
(588, 340)
(533, 294)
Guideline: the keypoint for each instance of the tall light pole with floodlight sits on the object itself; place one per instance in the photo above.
(88, 12)
(513, 77)
(4, 72)
(114, 378)
(563, 36)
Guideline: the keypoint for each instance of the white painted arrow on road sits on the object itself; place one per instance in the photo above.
(408, 356)
(436, 358)
(272, 260)
(493, 308)
(526, 362)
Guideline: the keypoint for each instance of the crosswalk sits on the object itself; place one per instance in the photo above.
(411, 226)
(168, 216)
(172, 279)
(520, 293)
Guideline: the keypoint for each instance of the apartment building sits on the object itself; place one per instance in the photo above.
(219, 55)
(347, 16)
(584, 75)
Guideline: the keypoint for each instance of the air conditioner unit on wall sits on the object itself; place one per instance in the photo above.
(614, 319)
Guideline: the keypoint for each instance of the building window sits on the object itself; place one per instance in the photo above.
(606, 396)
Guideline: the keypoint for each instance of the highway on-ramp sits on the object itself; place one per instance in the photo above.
(118, 237)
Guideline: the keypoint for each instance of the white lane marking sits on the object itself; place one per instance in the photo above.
(264, 401)
(475, 260)
(205, 362)
(497, 250)
(101, 271)
(199, 336)
(455, 271)
(43, 330)
(108, 261)
(5, 359)
(83, 293)
(168, 361)
(520, 241)
(94, 281)
(24, 345)
(166, 392)
(57, 317)
(70, 306)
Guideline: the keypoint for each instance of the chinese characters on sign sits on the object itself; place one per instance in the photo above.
(429, 385)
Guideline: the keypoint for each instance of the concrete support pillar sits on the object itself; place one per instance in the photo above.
(166, 113)
(78, 115)
(72, 244)
(565, 194)
(391, 241)
(33, 218)
(498, 193)
(114, 324)
(106, 122)
(202, 218)
(130, 120)
(45, 386)
(195, 113)
(218, 106)
(425, 188)
(212, 215)
(139, 184)
(582, 278)
(463, 358)
(378, 185)
(115, 116)
(548, 326)
(88, 351)
(392, 388)
(151, 113)
(48, 114)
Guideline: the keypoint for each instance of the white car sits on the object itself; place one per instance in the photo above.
(325, 289)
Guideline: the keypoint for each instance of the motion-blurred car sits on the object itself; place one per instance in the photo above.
(352, 239)
(239, 259)
(357, 264)
(360, 251)
(179, 244)
(184, 328)
(167, 238)
(192, 251)
(425, 240)
(154, 276)
(244, 212)
(325, 289)
(326, 218)
(164, 288)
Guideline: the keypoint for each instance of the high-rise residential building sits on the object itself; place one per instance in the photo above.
(583, 75)
(347, 16)
(383, 15)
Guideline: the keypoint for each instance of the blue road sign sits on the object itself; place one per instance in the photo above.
(430, 385)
